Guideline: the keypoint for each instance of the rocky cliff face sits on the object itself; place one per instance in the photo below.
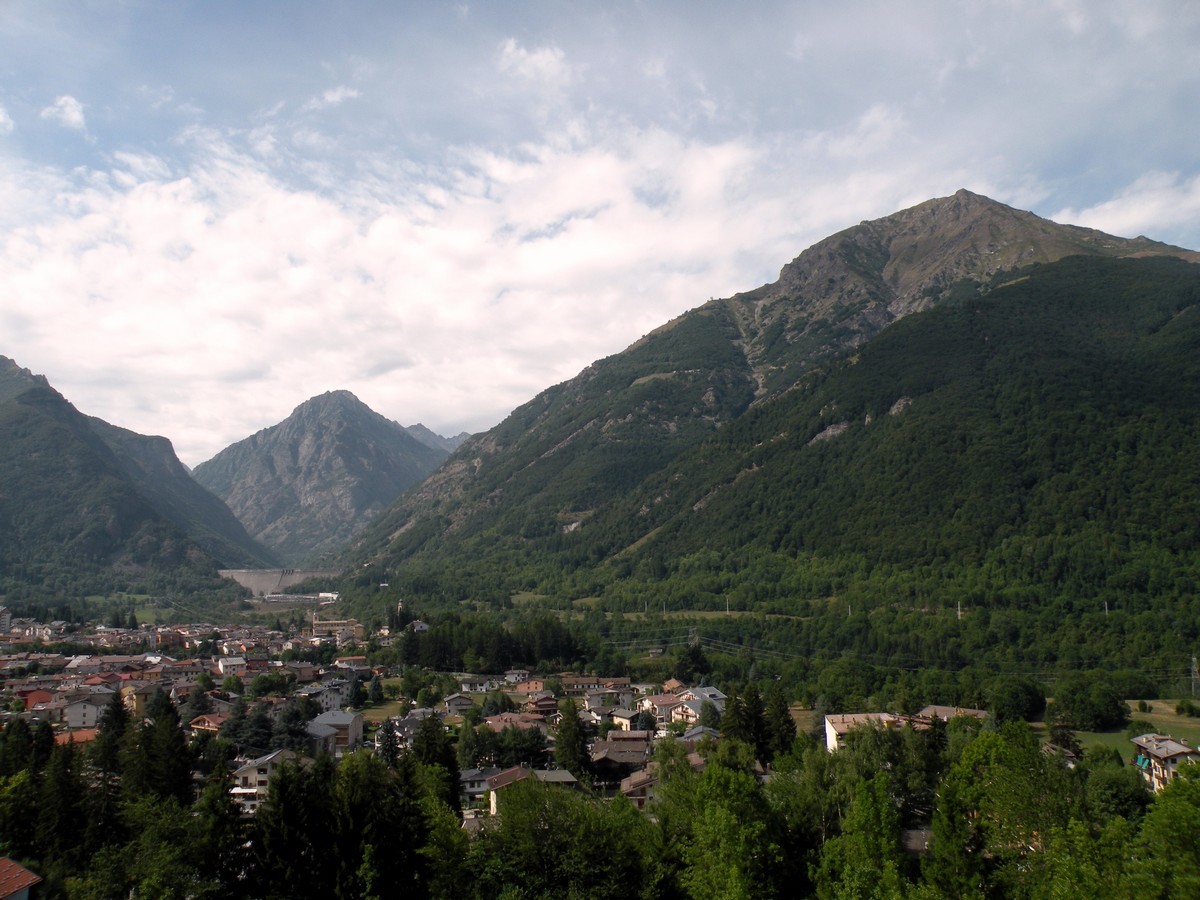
(306, 486)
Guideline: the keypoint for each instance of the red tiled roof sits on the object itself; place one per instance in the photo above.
(15, 877)
(78, 736)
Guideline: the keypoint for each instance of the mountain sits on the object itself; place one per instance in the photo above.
(151, 464)
(308, 485)
(436, 441)
(86, 507)
(560, 462)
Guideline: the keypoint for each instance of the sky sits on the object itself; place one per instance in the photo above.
(212, 211)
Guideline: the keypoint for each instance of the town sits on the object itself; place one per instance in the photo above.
(250, 709)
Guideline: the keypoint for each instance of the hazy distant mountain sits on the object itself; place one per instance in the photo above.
(306, 486)
(434, 440)
(86, 507)
(553, 474)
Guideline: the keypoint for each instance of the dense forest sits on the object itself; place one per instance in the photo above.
(964, 809)
(1006, 480)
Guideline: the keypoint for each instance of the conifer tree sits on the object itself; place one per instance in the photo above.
(780, 726)
(570, 745)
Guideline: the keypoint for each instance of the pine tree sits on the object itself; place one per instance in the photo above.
(570, 746)
(389, 743)
(60, 819)
(780, 726)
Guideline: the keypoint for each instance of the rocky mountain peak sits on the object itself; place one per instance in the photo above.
(307, 484)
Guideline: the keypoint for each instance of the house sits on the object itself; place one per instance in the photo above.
(232, 665)
(79, 736)
(615, 759)
(659, 706)
(85, 712)
(703, 695)
(347, 729)
(252, 780)
(839, 725)
(472, 785)
(208, 722)
(1159, 758)
(541, 705)
(530, 686)
(457, 704)
(475, 684)
(946, 713)
(16, 880)
(523, 721)
(638, 787)
(624, 718)
(687, 712)
(136, 696)
(503, 779)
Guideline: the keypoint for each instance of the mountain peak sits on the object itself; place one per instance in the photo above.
(309, 483)
(15, 380)
(865, 277)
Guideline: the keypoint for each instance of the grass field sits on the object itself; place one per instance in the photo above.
(1162, 719)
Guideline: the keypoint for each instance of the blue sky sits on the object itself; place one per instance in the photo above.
(210, 211)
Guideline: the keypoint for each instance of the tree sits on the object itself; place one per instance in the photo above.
(866, 859)
(1087, 702)
(60, 813)
(379, 828)
(291, 834)
(779, 726)
(570, 747)
(357, 698)
(733, 852)
(388, 743)
(559, 843)
(170, 771)
(431, 748)
(1166, 861)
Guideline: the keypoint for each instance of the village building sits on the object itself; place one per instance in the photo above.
(1159, 758)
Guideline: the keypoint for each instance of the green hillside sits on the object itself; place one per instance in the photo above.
(72, 522)
(1029, 453)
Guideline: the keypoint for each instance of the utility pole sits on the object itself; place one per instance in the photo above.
(1195, 674)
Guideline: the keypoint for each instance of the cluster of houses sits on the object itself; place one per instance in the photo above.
(223, 639)
(629, 716)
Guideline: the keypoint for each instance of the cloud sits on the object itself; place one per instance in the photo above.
(546, 65)
(6, 122)
(67, 112)
(332, 97)
(1152, 203)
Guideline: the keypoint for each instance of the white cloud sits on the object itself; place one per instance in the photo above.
(545, 65)
(67, 112)
(1154, 202)
(486, 214)
(332, 97)
(6, 122)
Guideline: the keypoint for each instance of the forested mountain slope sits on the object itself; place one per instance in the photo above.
(77, 517)
(1029, 450)
(573, 453)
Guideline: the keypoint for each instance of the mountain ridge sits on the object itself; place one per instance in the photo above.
(79, 517)
(578, 445)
